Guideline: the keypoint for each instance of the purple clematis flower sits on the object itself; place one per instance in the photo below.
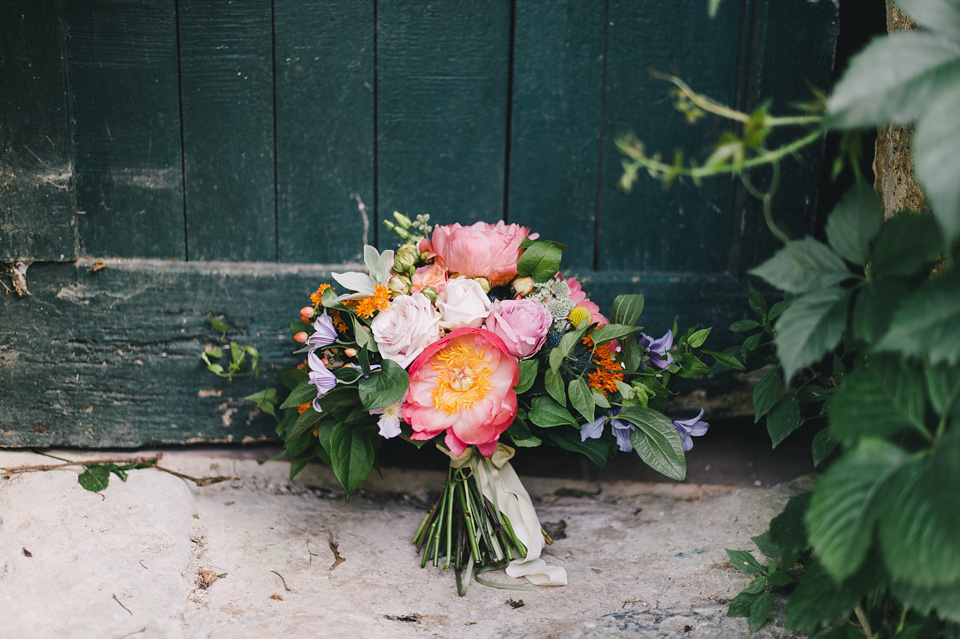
(694, 427)
(657, 349)
(592, 430)
(320, 377)
(621, 430)
(324, 334)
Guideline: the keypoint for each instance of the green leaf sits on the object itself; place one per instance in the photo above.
(218, 326)
(744, 325)
(291, 377)
(925, 324)
(810, 327)
(214, 352)
(698, 338)
(779, 578)
(767, 546)
(528, 375)
(940, 16)
(818, 599)
(351, 454)
(892, 80)
(597, 450)
(854, 223)
(553, 382)
(935, 159)
(627, 309)
(944, 599)
(303, 393)
(568, 342)
(519, 433)
(877, 400)
(305, 421)
(907, 244)
(777, 309)
(744, 561)
(94, 478)
(943, 388)
(656, 440)
(760, 611)
(844, 506)
(581, 398)
(727, 359)
(874, 307)
(740, 606)
(767, 393)
(784, 418)
(363, 336)
(756, 300)
(265, 400)
(608, 332)
(383, 387)
(541, 260)
(802, 266)
(823, 445)
(787, 529)
(917, 534)
(547, 413)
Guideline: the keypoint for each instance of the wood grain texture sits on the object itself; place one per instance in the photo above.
(126, 114)
(226, 67)
(324, 53)
(37, 199)
(127, 371)
(685, 228)
(442, 78)
(556, 122)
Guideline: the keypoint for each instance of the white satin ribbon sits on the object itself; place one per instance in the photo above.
(500, 484)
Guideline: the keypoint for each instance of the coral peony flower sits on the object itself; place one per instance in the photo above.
(521, 324)
(463, 384)
(406, 328)
(480, 250)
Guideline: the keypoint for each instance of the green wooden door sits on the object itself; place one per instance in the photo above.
(223, 158)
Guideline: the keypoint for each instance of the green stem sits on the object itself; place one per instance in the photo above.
(468, 520)
(448, 500)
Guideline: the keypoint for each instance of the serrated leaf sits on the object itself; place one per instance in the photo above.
(935, 158)
(527, 375)
(784, 418)
(845, 505)
(874, 307)
(553, 382)
(744, 561)
(854, 223)
(811, 326)
(759, 611)
(656, 440)
(925, 324)
(609, 332)
(823, 445)
(351, 454)
(802, 266)
(383, 387)
(818, 599)
(627, 309)
(779, 578)
(540, 260)
(944, 599)
(943, 388)
(740, 606)
(547, 413)
(940, 16)
(581, 398)
(767, 546)
(892, 80)
(767, 393)
(877, 400)
(787, 529)
(906, 245)
(94, 478)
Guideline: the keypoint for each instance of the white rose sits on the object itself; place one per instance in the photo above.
(463, 304)
(407, 327)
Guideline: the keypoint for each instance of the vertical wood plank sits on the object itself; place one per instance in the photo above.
(126, 113)
(442, 70)
(556, 122)
(680, 229)
(226, 67)
(37, 206)
(324, 52)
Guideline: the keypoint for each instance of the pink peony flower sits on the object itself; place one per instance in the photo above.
(434, 276)
(463, 304)
(579, 297)
(463, 384)
(480, 250)
(521, 324)
(404, 329)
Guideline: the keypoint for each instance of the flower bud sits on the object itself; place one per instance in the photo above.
(402, 219)
(483, 282)
(430, 293)
(399, 284)
(405, 260)
(307, 311)
(300, 337)
(350, 352)
(522, 286)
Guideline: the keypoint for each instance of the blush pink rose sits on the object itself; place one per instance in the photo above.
(521, 324)
(463, 385)
(434, 276)
(463, 304)
(480, 250)
(403, 330)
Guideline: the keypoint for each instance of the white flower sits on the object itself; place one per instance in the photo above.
(379, 266)
(406, 328)
(389, 421)
(463, 304)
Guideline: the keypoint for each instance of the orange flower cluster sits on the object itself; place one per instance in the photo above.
(317, 297)
(367, 306)
(302, 408)
(338, 322)
(607, 373)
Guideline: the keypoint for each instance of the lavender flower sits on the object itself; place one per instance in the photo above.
(320, 377)
(592, 430)
(657, 349)
(691, 427)
(621, 430)
(324, 334)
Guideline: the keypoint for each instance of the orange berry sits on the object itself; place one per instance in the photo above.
(301, 337)
(350, 352)
(307, 311)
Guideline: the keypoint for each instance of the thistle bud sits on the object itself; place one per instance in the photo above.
(430, 293)
(399, 284)
(522, 286)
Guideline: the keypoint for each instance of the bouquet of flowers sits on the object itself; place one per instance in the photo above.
(470, 337)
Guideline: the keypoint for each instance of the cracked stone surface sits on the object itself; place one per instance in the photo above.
(159, 557)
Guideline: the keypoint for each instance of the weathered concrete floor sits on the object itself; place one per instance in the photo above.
(643, 559)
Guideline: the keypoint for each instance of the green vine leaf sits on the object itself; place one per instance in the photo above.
(802, 266)
(854, 223)
(934, 156)
(810, 327)
(925, 324)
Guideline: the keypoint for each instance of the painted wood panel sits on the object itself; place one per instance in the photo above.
(227, 99)
(556, 124)
(442, 85)
(126, 127)
(325, 129)
(37, 220)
